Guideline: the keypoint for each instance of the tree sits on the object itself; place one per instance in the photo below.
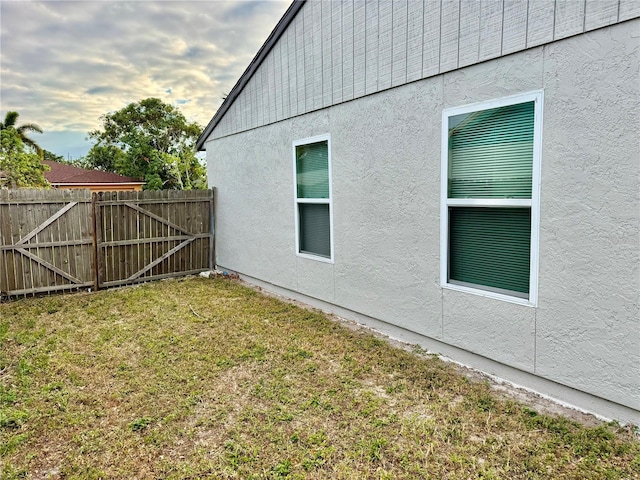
(10, 120)
(47, 155)
(19, 168)
(150, 140)
(104, 157)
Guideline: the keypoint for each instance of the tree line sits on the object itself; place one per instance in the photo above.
(148, 140)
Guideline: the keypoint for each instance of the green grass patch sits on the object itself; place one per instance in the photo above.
(130, 383)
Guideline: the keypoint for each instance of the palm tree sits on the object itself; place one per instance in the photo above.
(10, 120)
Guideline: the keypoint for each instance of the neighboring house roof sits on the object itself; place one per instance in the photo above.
(63, 174)
(253, 66)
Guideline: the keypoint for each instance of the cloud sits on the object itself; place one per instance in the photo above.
(100, 89)
(64, 64)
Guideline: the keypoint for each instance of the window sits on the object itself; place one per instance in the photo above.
(490, 198)
(313, 198)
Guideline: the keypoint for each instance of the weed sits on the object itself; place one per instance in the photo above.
(372, 448)
(12, 419)
(8, 395)
(140, 423)
(11, 443)
(8, 472)
(485, 403)
(282, 469)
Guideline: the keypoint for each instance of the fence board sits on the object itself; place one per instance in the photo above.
(56, 240)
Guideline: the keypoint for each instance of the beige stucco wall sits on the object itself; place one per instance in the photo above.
(386, 153)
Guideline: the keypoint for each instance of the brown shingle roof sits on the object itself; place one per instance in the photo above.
(61, 173)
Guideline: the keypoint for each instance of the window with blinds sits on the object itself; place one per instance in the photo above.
(490, 206)
(313, 198)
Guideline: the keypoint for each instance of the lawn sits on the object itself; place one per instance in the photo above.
(201, 378)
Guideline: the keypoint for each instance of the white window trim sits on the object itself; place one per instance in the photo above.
(537, 97)
(305, 141)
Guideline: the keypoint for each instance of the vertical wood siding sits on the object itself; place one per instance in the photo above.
(469, 44)
(431, 38)
(326, 64)
(385, 39)
(399, 46)
(284, 75)
(316, 56)
(514, 26)
(359, 47)
(300, 63)
(449, 34)
(600, 14)
(569, 19)
(336, 51)
(540, 22)
(490, 41)
(277, 80)
(415, 20)
(628, 9)
(372, 23)
(348, 40)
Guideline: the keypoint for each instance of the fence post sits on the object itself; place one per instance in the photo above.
(95, 225)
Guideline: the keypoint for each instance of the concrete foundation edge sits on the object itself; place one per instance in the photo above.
(562, 394)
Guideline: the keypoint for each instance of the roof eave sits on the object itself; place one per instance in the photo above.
(277, 32)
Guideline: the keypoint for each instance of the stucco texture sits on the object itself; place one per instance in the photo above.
(386, 156)
(588, 317)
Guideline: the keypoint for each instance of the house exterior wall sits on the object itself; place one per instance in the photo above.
(386, 155)
(335, 51)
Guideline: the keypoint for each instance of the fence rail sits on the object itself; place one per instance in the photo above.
(53, 240)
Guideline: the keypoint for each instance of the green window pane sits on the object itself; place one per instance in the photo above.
(315, 229)
(312, 170)
(490, 247)
(491, 153)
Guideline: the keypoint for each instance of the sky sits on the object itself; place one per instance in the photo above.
(63, 64)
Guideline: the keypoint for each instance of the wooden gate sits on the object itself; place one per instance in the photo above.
(142, 236)
(46, 241)
(52, 240)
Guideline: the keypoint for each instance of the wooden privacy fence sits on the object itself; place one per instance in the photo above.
(52, 240)
(46, 241)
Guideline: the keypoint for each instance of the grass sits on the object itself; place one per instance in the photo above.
(206, 378)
